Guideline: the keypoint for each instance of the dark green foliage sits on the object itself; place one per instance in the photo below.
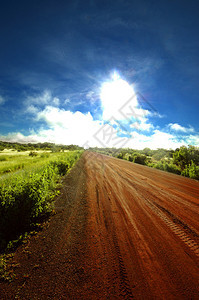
(169, 167)
(184, 156)
(120, 155)
(33, 153)
(139, 158)
(3, 158)
(62, 166)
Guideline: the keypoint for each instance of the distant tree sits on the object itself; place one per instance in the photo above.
(147, 151)
(160, 153)
(181, 157)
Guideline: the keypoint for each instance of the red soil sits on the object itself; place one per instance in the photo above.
(121, 231)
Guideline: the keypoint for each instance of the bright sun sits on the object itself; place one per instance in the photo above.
(114, 94)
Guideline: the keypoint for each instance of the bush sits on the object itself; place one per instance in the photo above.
(23, 200)
(191, 171)
(169, 167)
(45, 155)
(139, 158)
(3, 158)
(33, 153)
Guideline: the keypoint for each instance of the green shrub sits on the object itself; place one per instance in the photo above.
(45, 155)
(139, 158)
(169, 167)
(191, 171)
(33, 153)
(3, 158)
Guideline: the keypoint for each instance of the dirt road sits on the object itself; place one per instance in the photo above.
(121, 231)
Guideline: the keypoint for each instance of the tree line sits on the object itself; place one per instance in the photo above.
(182, 161)
(37, 146)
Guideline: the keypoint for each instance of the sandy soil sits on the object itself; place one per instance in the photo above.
(121, 231)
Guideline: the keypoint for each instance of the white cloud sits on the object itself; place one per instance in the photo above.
(92, 97)
(43, 99)
(145, 126)
(56, 101)
(158, 139)
(66, 101)
(2, 100)
(77, 128)
(193, 140)
(32, 110)
(33, 104)
(177, 127)
(20, 138)
(54, 116)
(66, 127)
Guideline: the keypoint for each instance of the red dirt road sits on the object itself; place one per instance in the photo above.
(122, 231)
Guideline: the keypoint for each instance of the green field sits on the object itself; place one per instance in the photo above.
(28, 182)
(11, 161)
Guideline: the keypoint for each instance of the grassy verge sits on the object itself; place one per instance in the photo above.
(28, 195)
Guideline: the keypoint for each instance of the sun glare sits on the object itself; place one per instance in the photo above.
(114, 94)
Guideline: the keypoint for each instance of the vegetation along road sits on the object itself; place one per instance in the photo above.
(120, 231)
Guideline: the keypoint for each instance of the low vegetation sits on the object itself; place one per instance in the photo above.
(182, 161)
(27, 192)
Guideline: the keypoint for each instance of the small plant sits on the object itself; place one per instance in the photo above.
(6, 271)
(3, 158)
(45, 155)
(33, 153)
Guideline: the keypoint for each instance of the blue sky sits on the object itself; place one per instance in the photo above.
(100, 73)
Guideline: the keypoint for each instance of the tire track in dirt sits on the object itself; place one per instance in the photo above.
(122, 231)
(174, 228)
(125, 290)
(148, 242)
(182, 230)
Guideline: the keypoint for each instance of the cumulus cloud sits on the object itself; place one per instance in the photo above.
(177, 127)
(124, 122)
(20, 138)
(84, 131)
(66, 127)
(158, 139)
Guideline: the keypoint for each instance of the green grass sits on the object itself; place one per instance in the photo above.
(14, 162)
(28, 194)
